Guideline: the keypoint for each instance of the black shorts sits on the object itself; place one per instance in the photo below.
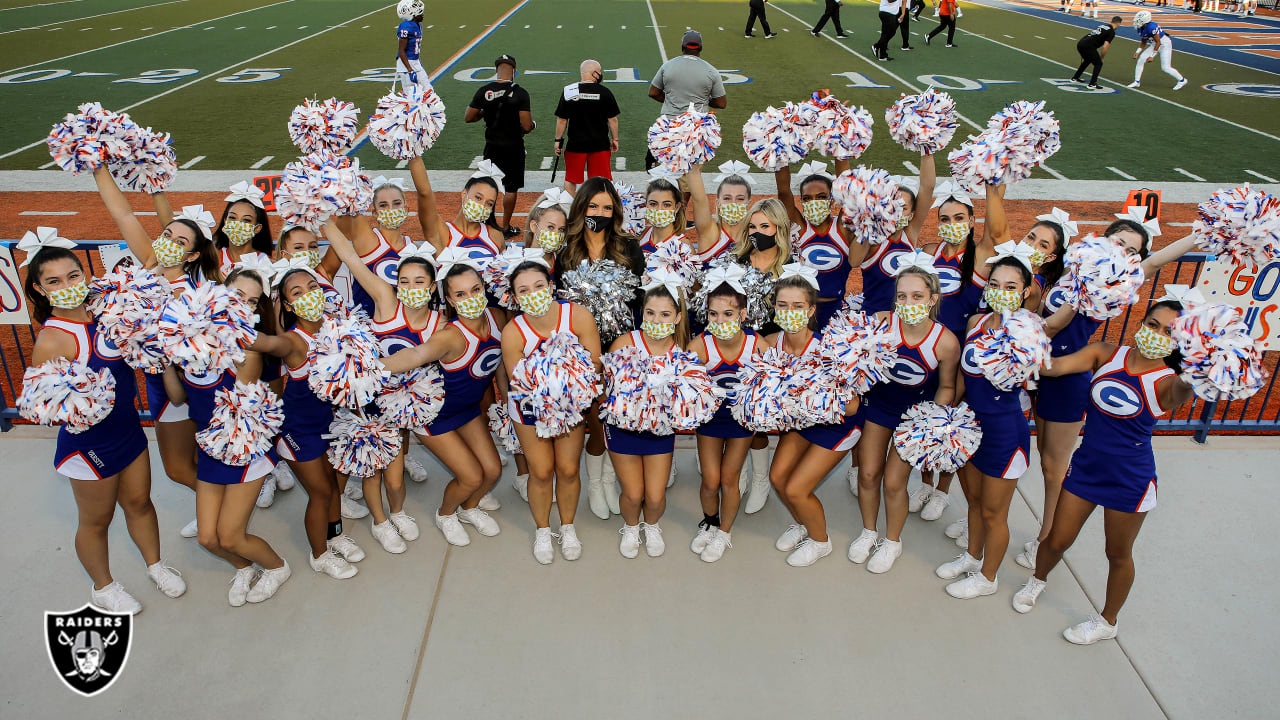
(510, 160)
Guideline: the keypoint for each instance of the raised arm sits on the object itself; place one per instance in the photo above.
(164, 211)
(924, 197)
(1086, 359)
(135, 236)
(1167, 254)
(996, 228)
(702, 217)
(782, 179)
(433, 228)
(1059, 320)
(384, 296)
(1173, 391)
(173, 386)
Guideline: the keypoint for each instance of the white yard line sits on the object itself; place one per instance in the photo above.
(87, 17)
(657, 35)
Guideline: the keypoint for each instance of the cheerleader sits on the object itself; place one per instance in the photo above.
(804, 457)
(244, 229)
(225, 494)
(108, 463)
(545, 225)
(879, 279)
(641, 459)
(821, 243)
(717, 232)
(298, 247)
(470, 229)
(1115, 466)
(664, 211)
(722, 442)
(553, 462)
(991, 475)
(925, 369)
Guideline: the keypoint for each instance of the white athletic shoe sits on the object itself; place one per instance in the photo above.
(416, 471)
(1090, 631)
(190, 530)
(612, 490)
(1176, 86)
(404, 524)
(269, 582)
(542, 550)
(351, 509)
(957, 528)
(629, 546)
(1134, 84)
(852, 478)
(962, 542)
(791, 538)
(114, 598)
(1027, 558)
(451, 527)
(972, 586)
(346, 548)
(918, 497)
(329, 563)
(700, 540)
(489, 503)
(285, 479)
(654, 545)
(884, 557)
(570, 545)
(354, 488)
(521, 484)
(952, 569)
(240, 584)
(480, 520)
(860, 549)
(935, 505)
(388, 537)
(168, 580)
(1025, 599)
(267, 493)
(716, 546)
(808, 552)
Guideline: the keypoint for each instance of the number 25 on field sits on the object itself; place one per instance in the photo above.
(147, 77)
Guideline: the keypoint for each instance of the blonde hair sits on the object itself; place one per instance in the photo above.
(931, 281)
(773, 209)
(535, 216)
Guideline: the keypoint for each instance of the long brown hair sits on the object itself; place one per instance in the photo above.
(41, 308)
(682, 327)
(262, 306)
(575, 235)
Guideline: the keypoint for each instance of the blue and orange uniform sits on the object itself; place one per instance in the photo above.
(468, 378)
(1006, 437)
(724, 371)
(382, 261)
(829, 254)
(839, 436)
(479, 247)
(647, 245)
(532, 341)
(307, 416)
(880, 273)
(959, 299)
(157, 397)
(723, 245)
(1065, 398)
(913, 378)
(397, 334)
(629, 442)
(202, 393)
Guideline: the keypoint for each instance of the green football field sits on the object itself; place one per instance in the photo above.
(222, 76)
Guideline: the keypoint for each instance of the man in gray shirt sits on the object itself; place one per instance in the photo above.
(686, 79)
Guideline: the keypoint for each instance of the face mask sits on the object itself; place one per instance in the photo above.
(550, 240)
(657, 330)
(393, 218)
(472, 307)
(537, 302)
(1002, 300)
(238, 232)
(474, 211)
(168, 253)
(312, 256)
(816, 211)
(733, 213)
(1038, 257)
(723, 330)
(912, 314)
(954, 233)
(309, 305)
(1152, 344)
(596, 223)
(903, 222)
(69, 297)
(793, 321)
(763, 242)
(659, 217)
(414, 297)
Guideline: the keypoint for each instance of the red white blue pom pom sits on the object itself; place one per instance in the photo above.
(1243, 224)
(765, 397)
(127, 303)
(676, 257)
(690, 138)
(1017, 139)
(922, 123)
(89, 138)
(773, 139)
(413, 399)
(407, 123)
(503, 429)
(1101, 279)
(319, 185)
(63, 391)
(632, 208)
(869, 203)
(860, 351)
(606, 289)
(555, 384)
(937, 437)
(361, 446)
(659, 394)
(1013, 353)
(820, 400)
(206, 329)
(1221, 359)
(325, 125)
(842, 132)
(346, 364)
(852, 304)
(150, 163)
(246, 420)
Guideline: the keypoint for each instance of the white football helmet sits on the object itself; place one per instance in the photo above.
(410, 9)
(1140, 18)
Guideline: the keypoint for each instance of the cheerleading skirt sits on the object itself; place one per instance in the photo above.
(628, 442)
(216, 472)
(446, 424)
(78, 460)
(158, 402)
(1005, 446)
(1063, 399)
(517, 414)
(1112, 481)
(837, 437)
(722, 425)
(881, 413)
(301, 447)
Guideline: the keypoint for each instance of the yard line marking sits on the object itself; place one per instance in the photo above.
(654, 19)
(49, 212)
(526, 27)
(243, 27)
(1038, 37)
(273, 27)
(546, 163)
(1069, 37)
(1260, 176)
(23, 7)
(262, 162)
(1193, 176)
(620, 163)
(145, 29)
(1121, 173)
(87, 17)
(115, 29)
(85, 29)
(402, 164)
(624, 27)
(48, 165)
(1009, 36)
(190, 162)
(1057, 175)
(912, 168)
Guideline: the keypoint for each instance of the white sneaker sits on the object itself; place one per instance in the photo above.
(671, 479)
(791, 537)
(570, 545)
(700, 540)
(918, 497)
(1090, 631)
(190, 530)
(414, 469)
(716, 546)
(114, 598)
(406, 525)
(953, 569)
(480, 520)
(1027, 558)
(935, 505)
(489, 503)
(758, 495)
(346, 548)
(884, 557)
(629, 546)
(1025, 599)
(167, 580)
(612, 490)
(860, 549)
(354, 488)
(240, 584)
(1134, 84)
(388, 537)
(654, 545)
(542, 550)
(285, 479)
(451, 527)
(521, 484)
(957, 528)
(329, 563)
(351, 509)
(852, 478)
(971, 586)
(269, 582)
(1176, 86)
(267, 493)
(808, 552)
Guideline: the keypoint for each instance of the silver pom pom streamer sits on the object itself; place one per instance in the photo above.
(659, 394)
(860, 352)
(346, 367)
(206, 329)
(556, 383)
(843, 132)
(607, 290)
(758, 286)
(775, 138)
(922, 123)
(690, 138)
(1101, 279)
(67, 392)
(937, 437)
(503, 429)
(407, 123)
(1221, 359)
(127, 303)
(869, 203)
(413, 399)
(320, 185)
(246, 420)
(1241, 223)
(361, 446)
(324, 125)
(1013, 353)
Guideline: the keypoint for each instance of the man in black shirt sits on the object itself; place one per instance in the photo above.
(589, 114)
(1093, 47)
(504, 107)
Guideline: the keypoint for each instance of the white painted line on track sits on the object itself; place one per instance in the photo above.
(657, 35)
(191, 162)
(619, 163)
(546, 163)
(911, 167)
(49, 212)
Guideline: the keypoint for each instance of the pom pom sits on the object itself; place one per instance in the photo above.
(607, 290)
(690, 138)
(503, 429)
(346, 368)
(1017, 139)
(407, 123)
(1221, 359)
(852, 304)
(860, 352)
(842, 132)
(937, 437)
(869, 203)
(1013, 353)
(555, 384)
(1242, 224)
(775, 138)
(413, 399)
(496, 278)
(206, 329)
(1101, 279)
(759, 291)
(246, 420)
(632, 208)
(327, 125)
(127, 303)
(922, 123)
(320, 185)
(765, 398)
(361, 446)
(675, 256)
(821, 400)
(87, 139)
(659, 394)
(149, 165)
(67, 392)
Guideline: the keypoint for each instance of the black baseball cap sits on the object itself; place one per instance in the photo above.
(692, 39)
(505, 59)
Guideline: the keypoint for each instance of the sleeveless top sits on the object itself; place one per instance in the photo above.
(959, 301)
(532, 341)
(981, 395)
(829, 254)
(396, 334)
(647, 245)
(724, 371)
(723, 245)
(879, 274)
(304, 412)
(1122, 413)
(381, 261)
(913, 377)
(95, 349)
(481, 247)
(467, 378)
(809, 347)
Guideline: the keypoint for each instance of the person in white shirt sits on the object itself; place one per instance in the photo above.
(892, 13)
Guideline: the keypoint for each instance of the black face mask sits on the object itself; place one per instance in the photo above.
(763, 242)
(596, 223)
(597, 78)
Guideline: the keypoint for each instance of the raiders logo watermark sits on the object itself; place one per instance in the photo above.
(88, 647)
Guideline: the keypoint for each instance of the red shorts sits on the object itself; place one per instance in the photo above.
(595, 164)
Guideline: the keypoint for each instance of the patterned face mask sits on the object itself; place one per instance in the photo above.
(733, 213)
(537, 302)
(1038, 257)
(472, 307)
(724, 330)
(392, 218)
(168, 253)
(312, 256)
(309, 305)
(816, 211)
(414, 297)
(474, 211)
(659, 217)
(911, 314)
(69, 297)
(793, 321)
(954, 233)
(550, 240)
(903, 222)
(1152, 344)
(1002, 300)
(238, 232)
(657, 330)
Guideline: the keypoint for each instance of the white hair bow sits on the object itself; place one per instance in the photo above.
(909, 183)
(515, 256)
(422, 250)
(1019, 251)
(452, 256)
(383, 180)
(1059, 217)
(735, 167)
(556, 197)
(1185, 294)
(198, 215)
(808, 273)
(731, 274)
(287, 265)
(250, 193)
(813, 168)
(918, 259)
(663, 277)
(662, 172)
(258, 263)
(486, 168)
(949, 189)
(43, 237)
(1138, 214)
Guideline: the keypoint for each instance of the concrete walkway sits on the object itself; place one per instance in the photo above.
(484, 631)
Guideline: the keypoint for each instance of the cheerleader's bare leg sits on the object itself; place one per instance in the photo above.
(872, 447)
(390, 478)
(475, 436)
(539, 454)
(133, 495)
(786, 456)
(1055, 441)
(657, 468)
(814, 465)
(631, 474)
(896, 474)
(177, 441)
(468, 474)
(721, 460)
(997, 493)
(321, 483)
(568, 482)
(234, 506)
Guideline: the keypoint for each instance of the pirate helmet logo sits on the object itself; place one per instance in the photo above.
(88, 647)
